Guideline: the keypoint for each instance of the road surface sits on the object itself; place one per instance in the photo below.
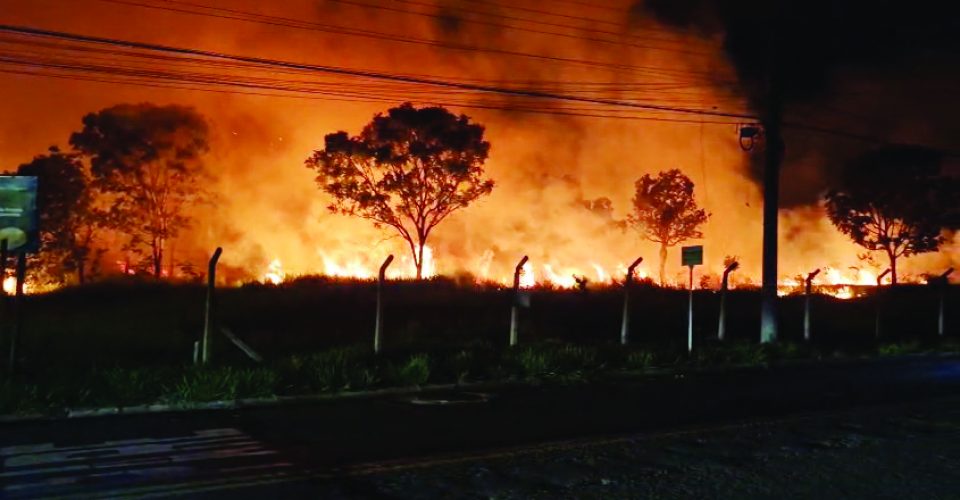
(360, 448)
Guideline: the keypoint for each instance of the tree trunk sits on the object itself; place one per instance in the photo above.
(172, 263)
(81, 271)
(418, 260)
(663, 264)
(893, 267)
(157, 258)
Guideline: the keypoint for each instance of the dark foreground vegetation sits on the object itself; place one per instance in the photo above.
(129, 343)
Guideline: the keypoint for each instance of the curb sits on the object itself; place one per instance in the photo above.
(787, 363)
(235, 404)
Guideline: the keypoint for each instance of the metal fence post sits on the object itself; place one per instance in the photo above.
(625, 324)
(378, 327)
(209, 324)
(722, 322)
(944, 282)
(515, 309)
(879, 301)
(808, 288)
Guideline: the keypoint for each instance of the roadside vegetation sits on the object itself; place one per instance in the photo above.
(80, 350)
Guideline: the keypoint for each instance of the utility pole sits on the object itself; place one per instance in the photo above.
(771, 119)
(773, 155)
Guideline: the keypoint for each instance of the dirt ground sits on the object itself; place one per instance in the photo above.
(908, 451)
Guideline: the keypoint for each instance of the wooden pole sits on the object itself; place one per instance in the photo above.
(4, 256)
(690, 314)
(17, 312)
(807, 295)
(209, 324)
(515, 309)
(3, 293)
(378, 327)
(625, 324)
(722, 321)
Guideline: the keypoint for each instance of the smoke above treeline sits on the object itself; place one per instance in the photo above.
(547, 158)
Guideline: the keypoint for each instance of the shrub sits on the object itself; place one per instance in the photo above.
(899, 349)
(551, 361)
(19, 398)
(334, 370)
(638, 360)
(414, 371)
(222, 383)
(118, 386)
(734, 353)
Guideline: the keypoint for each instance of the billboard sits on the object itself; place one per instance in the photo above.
(18, 213)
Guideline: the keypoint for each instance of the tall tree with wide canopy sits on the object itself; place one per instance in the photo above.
(894, 200)
(666, 212)
(67, 220)
(147, 161)
(409, 169)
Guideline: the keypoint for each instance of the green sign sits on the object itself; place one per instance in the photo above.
(692, 256)
(18, 213)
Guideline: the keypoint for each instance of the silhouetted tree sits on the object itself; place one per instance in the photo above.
(146, 160)
(67, 221)
(601, 207)
(408, 169)
(665, 212)
(894, 200)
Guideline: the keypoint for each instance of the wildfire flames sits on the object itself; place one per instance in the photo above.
(834, 282)
(273, 223)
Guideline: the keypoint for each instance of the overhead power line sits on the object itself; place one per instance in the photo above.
(138, 76)
(434, 102)
(125, 66)
(526, 29)
(269, 20)
(364, 74)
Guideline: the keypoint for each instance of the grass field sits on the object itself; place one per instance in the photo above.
(132, 342)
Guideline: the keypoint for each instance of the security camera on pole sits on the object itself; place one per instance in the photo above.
(690, 257)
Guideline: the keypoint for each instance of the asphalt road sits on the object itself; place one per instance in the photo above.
(288, 451)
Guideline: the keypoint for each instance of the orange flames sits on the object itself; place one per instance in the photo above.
(272, 221)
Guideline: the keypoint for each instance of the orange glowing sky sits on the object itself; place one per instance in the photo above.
(269, 208)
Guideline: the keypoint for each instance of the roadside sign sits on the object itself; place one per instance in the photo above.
(692, 256)
(18, 213)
